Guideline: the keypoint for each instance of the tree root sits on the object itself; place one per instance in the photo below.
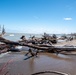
(53, 72)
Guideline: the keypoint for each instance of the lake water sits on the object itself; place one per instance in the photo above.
(16, 36)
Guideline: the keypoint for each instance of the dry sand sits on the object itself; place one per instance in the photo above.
(44, 62)
(73, 42)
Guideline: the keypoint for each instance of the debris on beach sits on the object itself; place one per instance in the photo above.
(43, 44)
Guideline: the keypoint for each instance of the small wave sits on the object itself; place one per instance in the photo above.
(1, 55)
(11, 35)
(19, 47)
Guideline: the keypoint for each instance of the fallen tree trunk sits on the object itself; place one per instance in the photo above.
(39, 47)
(3, 46)
(3, 40)
(4, 50)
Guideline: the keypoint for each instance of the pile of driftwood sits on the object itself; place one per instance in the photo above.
(8, 45)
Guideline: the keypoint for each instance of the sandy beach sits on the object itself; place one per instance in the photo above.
(73, 42)
(44, 62)
(37, 36)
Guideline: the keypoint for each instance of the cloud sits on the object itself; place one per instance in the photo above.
(67, 19)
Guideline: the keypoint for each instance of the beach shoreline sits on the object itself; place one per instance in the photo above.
(44, 61)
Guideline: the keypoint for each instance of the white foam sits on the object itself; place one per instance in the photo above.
(19, 47)
(2, 54)
(11, 35)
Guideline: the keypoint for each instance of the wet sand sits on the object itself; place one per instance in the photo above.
(44, 62)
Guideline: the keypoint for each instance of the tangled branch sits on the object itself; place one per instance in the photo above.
(53, 72)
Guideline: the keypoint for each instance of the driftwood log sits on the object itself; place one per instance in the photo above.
(47, 48)
(4, 50)
(7, 45)
(50, 72)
